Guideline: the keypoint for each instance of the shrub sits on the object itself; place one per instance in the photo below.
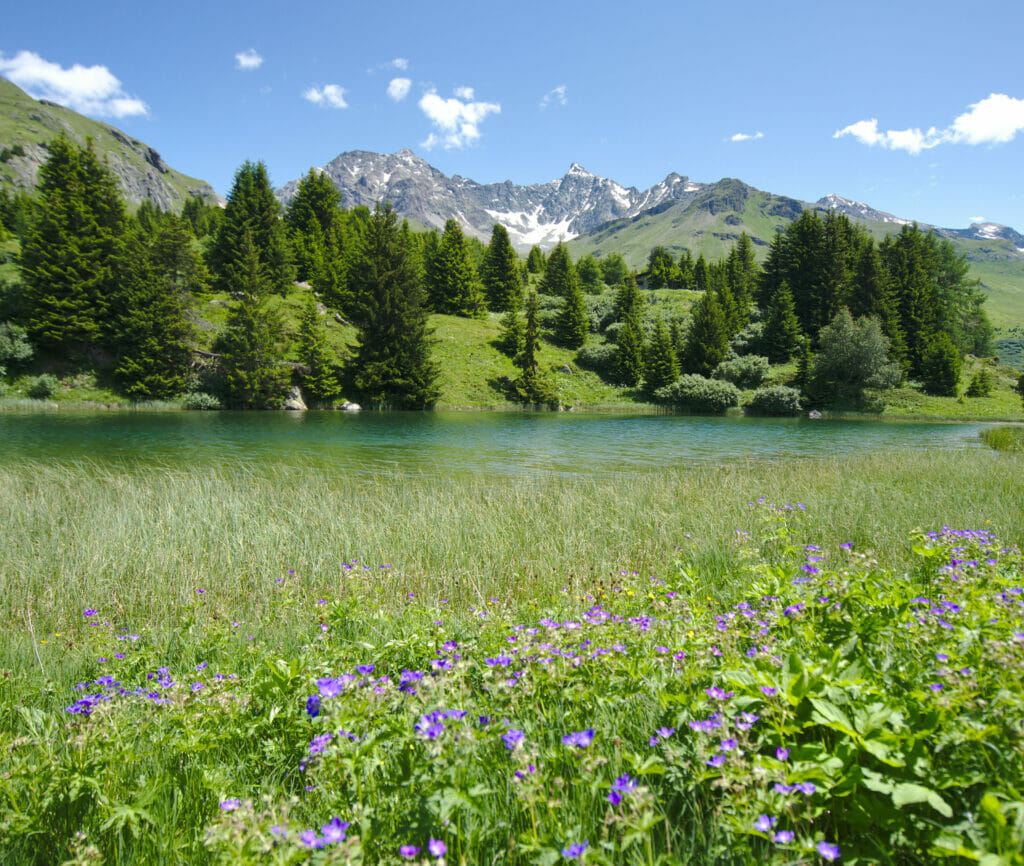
(200, 400)
(749, 340)
(777, 401)
(981, 384)
(852, 356)
(42, 387)
(693, 393)
(14, 345)
(747, 371)
(601, 358)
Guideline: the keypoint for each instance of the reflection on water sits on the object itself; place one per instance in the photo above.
(488, 443)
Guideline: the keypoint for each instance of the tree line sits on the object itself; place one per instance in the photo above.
(102, 287)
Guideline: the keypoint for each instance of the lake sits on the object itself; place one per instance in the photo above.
(487, 443)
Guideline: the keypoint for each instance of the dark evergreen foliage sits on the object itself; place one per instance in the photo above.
(940, 366)
(781, 334)
(392, 365)
(661, 367)
(452, 284)
(573, 322)
(707, 339)
(321, 378)
(559, 274)
(500, 273)
(531, 387)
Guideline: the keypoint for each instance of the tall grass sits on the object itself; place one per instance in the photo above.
(1004, 438)
(143, 543)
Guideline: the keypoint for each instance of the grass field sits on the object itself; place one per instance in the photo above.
(233, 599)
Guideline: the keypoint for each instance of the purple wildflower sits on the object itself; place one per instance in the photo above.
(513, 738)
(574, 850)
(313, 706)
(784, 837)
(764, 823)
(409, 851)
(437, 847)
(782, 754)
(334, 831)
(580, 739)
(827, 850)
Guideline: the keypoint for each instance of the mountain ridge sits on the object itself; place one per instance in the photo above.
(27, 125)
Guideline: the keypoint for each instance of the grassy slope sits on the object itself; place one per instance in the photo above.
(998, 265)
(25, 121)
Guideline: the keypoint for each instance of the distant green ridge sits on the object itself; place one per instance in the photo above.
(27, 124)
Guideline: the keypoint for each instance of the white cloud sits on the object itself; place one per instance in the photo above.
(398, 89)
(465, 93)
(555, 96)
(977, 219)
(744, 136)
(330, 95)
(457, 121)
(994, 120)
(248, 59)
(86, 89)
(399, 63)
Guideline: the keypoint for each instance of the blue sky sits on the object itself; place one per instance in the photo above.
(930, 95)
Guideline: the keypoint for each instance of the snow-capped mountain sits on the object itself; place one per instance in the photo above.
(542, 214)
(858, 210)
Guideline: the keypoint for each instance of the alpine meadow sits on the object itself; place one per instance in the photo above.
(371, 501)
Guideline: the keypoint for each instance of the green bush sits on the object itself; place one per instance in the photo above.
(200, 400)
(747, 371)
(776, 401)
(601, 358)
(693, 393)
(42, 387)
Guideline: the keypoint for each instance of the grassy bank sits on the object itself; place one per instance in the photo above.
(654, 668)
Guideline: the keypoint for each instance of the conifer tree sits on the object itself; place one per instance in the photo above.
(175, 258)
(940, 366)
(700, 274)
(686, 276)
(535, 261)
(154, 338)
(250, 344)
(629, 355)
(660, 367)
(500, 272)
(321, 379)
(707, 339)
(559, 274)
(629, 306)
(531, 386)
(253, 208)
(452, 284)
(70, 250)
(573, 322)
(661, 269)
(589, 274)
(392, 366)
(313, 219)
(613, 269)
(781, 335)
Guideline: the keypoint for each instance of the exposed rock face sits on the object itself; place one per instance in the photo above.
(294, 400)
(540, 214)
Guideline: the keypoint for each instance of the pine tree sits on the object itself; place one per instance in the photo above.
(321, 379)
(661, 269)
(589, 273)
(452, 284)
(707, 339)
(573, 322)
(781, 335)
(500, 272)
(535, 261)
(513, 336)
(176, 260)
(940, 366)
(392, 363)
(661, 367)
(686, 277)
(69, 251)
(312, 219)
(250, 344)
(253, 208)
(559, 274)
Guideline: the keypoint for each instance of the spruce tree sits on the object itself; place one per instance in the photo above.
(613, 269)
(500, 272)
(629, 355)
(559, 274)
(707, 339)
(629, 305)
(321, 377)
(513, 336)
(69, 251)
(661, 269)
(153, 336)
(253, 208)
(589, 273)
(781, 334)
(940, 366)
(250, 344)
(452, 284)
(535, 261)
(573, 322)
(392, 365)
(660, 367)
(531, 386)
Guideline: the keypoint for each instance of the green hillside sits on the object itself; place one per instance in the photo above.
(26, 125)
(712, 222)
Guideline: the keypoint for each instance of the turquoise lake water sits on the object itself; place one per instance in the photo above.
(482, 443)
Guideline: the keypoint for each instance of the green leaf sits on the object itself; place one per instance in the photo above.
(906, 793)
